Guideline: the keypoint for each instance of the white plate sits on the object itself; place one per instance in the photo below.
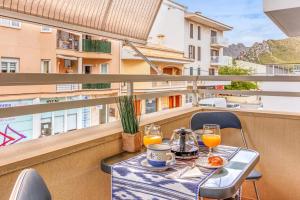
(203, 162)
(145, 164)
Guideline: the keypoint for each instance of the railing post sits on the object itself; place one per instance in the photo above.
(195, 93)
(129, 88)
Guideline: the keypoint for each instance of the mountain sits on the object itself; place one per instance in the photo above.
(235, 50)
(286, 51)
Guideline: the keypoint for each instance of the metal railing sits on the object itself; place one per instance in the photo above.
(99, 46)
(67, 87)
(47, 79)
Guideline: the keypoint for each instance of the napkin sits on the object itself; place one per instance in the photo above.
(192, 173)
(187, 172)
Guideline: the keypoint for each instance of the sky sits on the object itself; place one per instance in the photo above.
(246, 16)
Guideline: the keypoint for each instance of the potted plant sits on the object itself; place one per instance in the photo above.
(131, 136)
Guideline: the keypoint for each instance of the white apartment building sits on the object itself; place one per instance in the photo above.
(204, 43)
(199, 37)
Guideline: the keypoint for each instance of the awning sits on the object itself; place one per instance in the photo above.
(118, 19)
(66, 57)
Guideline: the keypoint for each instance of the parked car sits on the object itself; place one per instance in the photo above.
(233, 105)
(214, 102)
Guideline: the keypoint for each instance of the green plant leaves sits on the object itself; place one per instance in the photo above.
(128, 114)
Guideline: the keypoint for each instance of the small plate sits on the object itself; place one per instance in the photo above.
(145, 164)
(203, 162)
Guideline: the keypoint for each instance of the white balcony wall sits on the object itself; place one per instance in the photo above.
(285, 14)
(221, 60)
(170, 24)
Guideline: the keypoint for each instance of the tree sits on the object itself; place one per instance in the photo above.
(237, 85)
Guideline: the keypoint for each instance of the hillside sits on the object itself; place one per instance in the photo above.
(235, 50)
(286, 51)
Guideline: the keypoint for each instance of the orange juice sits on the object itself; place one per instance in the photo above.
(211, 140)
(152, 139)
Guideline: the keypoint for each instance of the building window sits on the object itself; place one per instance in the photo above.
(191, 31)
(9, 65)
(46, 29)
(10, 23)
(199, 71)
(72, 121)
(199, 54)
(211, 71)
(191, 71)
(213, 35)
(188, 98)
(199, 32)
(45, 66)
(58, 124)
(46, 126)
(191, 52)
(151, 105)
(104, 68)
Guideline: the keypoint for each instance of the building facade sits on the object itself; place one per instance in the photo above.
(28, 48)
(200, 39)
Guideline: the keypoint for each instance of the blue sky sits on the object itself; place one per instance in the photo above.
(246, 16)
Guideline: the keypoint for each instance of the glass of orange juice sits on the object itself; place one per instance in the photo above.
(152, 135)
(211, 137)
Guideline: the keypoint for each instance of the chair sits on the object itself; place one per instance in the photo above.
(225, 120)
(30, 186)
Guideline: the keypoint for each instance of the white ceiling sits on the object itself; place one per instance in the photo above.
(285, 14)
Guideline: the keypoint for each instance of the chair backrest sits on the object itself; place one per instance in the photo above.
(30, 186)
(224, 119)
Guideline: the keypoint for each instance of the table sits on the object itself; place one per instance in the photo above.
(222, 184)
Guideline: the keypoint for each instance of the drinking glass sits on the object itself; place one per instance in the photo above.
(211, 137)
(152, 135)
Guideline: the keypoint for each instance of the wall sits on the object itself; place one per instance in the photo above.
(70, 162)
(30, 46)
(137, 67)
(170, 23)
(204, 43)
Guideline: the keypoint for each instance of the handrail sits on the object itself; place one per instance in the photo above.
(41, 108)
(9, 79)
(47, 79)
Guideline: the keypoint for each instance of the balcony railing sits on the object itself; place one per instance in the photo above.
(67, 87)
(169, 84)
(221, 60)
(48, 79)
(218, 41)
(96, 86)
(98, 46)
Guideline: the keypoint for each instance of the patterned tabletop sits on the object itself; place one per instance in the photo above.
(132, 181)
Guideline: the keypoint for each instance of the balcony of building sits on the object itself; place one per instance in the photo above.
(68, 161)
(67, 40)
(221, 61)
(83, 46)
(218, 42)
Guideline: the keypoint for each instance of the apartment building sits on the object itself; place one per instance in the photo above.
(165, 49)
(198, 42)
(28, 48)
(204, 43)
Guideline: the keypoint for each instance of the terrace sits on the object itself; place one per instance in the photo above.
(75, 157)
(70, 162)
